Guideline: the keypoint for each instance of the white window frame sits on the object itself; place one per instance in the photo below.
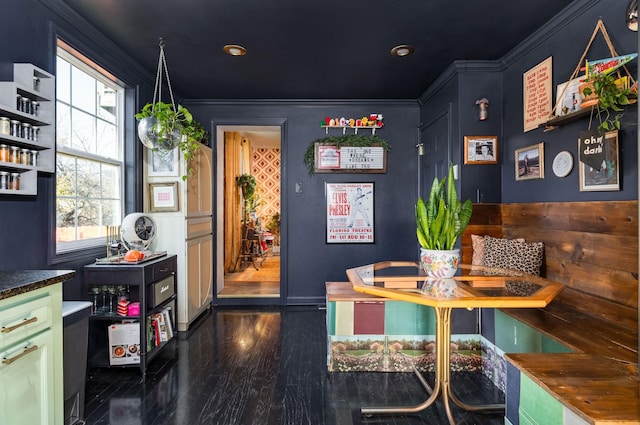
(85, 64)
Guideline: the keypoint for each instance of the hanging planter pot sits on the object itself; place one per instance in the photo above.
(167, 126)
(157, 134)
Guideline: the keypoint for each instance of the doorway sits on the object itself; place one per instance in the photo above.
(248, 239)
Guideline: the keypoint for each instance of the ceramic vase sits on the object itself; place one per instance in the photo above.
(439, 263)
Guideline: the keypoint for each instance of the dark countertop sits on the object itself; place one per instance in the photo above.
(21, 281)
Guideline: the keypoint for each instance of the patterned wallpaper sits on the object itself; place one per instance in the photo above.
(265, 167)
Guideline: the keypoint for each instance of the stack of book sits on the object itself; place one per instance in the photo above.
(160, 328)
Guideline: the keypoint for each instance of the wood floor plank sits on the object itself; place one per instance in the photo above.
(264, 367)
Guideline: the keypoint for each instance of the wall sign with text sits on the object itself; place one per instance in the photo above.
(350, 159)
(350, 212)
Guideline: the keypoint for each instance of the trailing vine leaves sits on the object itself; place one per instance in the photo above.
(193, 132)
(355, 140)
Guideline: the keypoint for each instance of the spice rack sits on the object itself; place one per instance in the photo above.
(35, 85)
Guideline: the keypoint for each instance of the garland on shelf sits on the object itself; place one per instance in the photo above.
(355, 140)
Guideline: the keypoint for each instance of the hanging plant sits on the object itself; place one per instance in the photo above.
(160, 120)
(355, 140)
(165, 126)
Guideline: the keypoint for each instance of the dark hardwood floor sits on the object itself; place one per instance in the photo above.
(268, 366)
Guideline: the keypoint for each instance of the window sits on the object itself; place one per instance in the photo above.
(89, 157)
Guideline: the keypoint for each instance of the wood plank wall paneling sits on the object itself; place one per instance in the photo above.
(591, 247)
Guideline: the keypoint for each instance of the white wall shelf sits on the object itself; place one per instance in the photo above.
(36, 85)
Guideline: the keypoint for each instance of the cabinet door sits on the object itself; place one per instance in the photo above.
(199, 274)
(27, 382)
(199, 184)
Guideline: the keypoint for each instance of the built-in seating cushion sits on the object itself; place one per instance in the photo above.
(513, 254)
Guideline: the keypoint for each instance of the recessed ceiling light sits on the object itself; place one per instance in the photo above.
(402, 50)
(234, 50)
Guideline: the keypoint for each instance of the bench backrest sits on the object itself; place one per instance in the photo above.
(590, 247)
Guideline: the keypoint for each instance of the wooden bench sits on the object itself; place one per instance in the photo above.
(592, 248)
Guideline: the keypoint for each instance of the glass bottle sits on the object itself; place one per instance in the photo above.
(14, 181)
(34, 158)
(4, 180)
(5, 126)
(15, 154)
(4, 153)
(25, 156)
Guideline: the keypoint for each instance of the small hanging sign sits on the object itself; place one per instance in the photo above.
(354, 159)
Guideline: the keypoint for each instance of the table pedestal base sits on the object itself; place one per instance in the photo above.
(442, 381)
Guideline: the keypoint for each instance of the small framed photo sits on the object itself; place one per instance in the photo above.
(603, 172)
(163, 163)
(163, 197)
(480, 149)
(350, 212)
(530, 162)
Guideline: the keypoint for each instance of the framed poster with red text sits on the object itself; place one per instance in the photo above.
(350, 212)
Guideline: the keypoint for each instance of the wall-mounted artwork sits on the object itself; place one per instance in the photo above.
(163, 163)
(599, 165)
(350, 213)
(480, 149)
(530, 162)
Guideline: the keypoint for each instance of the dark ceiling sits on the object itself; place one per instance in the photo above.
(334, 49)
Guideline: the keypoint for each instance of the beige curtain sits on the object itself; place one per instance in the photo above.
(237, 161)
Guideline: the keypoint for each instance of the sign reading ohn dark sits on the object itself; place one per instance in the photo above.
(599, 165)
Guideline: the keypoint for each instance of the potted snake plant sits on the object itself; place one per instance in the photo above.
(439, 223)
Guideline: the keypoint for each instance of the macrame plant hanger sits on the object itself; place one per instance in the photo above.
(154, 132)
(599, 28)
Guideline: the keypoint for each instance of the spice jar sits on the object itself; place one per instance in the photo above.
(26, 130)
(34, 107)
(26, 105)
(4, 153)
(34, 133)
(25, 156)
(5, 125)
(34, 158)
(14, 182)
(4, 180)
(15, 128)
(15, 154)
(36, 83)
(19, 102)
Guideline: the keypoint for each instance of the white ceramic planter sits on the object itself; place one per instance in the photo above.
(439, 263)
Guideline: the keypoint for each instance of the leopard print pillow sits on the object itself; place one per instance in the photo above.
(477, 242)
(513, 254)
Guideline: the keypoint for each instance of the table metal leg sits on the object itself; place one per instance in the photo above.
(443, 377)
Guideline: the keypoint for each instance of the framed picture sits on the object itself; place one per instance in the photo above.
(350, 214)
(603, 174)
(530, 162)
(163, 197)
(480, 149)
(163, 163)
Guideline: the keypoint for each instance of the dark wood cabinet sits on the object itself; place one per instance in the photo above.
(152, 284)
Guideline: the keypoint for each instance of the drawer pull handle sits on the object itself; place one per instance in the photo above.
(26, 351)
(164, 270)
(19, 325)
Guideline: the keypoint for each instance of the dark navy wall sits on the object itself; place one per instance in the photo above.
(565, 39)
(310, 262)
(29, 29)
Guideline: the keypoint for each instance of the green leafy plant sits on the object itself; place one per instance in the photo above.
(247, 184)
(357, 140)
(611, 97)
(441, 220)
(170, 119)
